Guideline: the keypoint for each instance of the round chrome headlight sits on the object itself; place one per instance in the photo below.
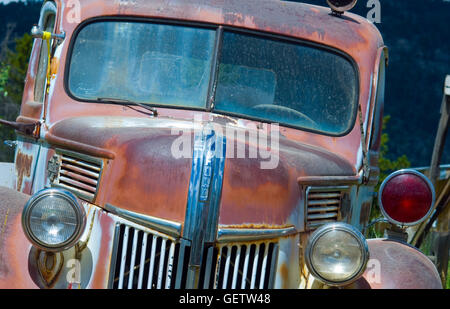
(337, 254)
(53, 220)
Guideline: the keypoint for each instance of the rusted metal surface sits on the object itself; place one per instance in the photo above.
(77, 146)
(145, 155)
(277, 188)
(143, 168)
(14, 246)
(288, 266)
(354, 36)
(302, 154)
(7, 175)
(400, 267)
(23, 168)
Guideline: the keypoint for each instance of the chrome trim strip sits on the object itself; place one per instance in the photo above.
(183, 252)
(205, 189)
(113, 262)
(123, 256)
(273, 265)
(244, 234)
(208, 269)
(164, 226)
(329, 180)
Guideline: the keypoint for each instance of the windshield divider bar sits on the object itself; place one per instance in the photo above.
(214, 70)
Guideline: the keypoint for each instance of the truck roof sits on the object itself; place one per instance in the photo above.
(348, 32)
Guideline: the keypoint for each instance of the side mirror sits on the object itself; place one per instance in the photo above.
(31, 129)
(38, 33)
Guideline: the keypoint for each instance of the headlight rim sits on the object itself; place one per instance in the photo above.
(341, 227)
(342, 9)
(74, 203)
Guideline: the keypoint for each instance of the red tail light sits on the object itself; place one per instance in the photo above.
(406, 197)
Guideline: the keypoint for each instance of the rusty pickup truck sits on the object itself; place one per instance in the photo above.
(205, 144)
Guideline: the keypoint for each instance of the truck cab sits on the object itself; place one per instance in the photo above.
(203, 144)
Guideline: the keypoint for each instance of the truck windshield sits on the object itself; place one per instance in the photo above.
(256, 77)
(143, 62)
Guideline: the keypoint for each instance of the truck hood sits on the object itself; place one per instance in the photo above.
(149, 168)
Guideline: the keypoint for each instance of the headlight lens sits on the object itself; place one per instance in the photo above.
(53, 219)
(337, 254)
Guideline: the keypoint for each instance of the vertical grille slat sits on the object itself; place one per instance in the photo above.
(207, 271)
(143, 259)
(236, 268)
(255, 265)
(264, 266)
(227, 268)
(123, 257)
(133, 259)
(161, 263)
(241, 266)
(170, 266)
(217, 268)
(246, 261)
(152, 263)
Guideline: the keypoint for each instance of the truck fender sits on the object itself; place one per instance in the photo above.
(14, 246)
(397, 265)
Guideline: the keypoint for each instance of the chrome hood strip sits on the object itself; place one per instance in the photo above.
(164, 226)
(205, 190)
(244, 234)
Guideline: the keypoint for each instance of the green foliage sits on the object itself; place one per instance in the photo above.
(448, 277)
(4, 73)
(387, 166)
(12, 75)
(5, 133)
(17, 62)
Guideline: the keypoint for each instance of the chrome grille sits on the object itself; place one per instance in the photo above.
(79, 174)
(239, 266)
(323, 205)
(145, 260)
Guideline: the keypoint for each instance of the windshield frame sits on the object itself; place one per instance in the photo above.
(216, 53)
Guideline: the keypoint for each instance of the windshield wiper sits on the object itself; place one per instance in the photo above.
(128, 103)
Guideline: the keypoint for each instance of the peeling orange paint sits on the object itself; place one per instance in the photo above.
(23, 167)
(284, 272)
